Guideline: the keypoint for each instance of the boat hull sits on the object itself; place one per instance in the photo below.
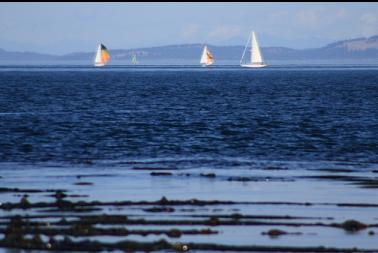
(99, 64)
(253, 65)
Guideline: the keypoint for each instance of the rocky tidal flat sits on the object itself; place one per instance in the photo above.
(102, 212)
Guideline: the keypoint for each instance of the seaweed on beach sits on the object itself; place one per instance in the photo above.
(66, 218)
(67, 244)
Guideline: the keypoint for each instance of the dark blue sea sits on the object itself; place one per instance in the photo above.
(83, 115)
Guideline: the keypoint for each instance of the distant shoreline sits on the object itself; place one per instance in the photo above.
(357, 49)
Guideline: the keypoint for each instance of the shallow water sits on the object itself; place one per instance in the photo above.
(288, 129)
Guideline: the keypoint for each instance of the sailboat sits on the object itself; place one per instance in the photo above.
(206, 58)
(134, 60)
(256, 60)
(102, 56)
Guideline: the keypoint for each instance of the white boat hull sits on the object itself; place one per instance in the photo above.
(253, 65)
(99, 64)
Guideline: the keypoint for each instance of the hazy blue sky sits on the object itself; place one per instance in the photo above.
(66, 27)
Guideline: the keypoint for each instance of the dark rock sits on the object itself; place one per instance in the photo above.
(213, 221)
(239, 179)
(63, 221)
(105, 219)
(81, 229)
(275, 168)
(184, 174)
(52, 242)
(353, 225)
(161, 174)
(24, 201)
(59, 194)
(236, 216)
(163, 201)
(174, 233)
(206, 231)
(180, 247)
(275, 232)
(210, 175)
(159, 209)
(334, 170)
(67, 240)
(36, 240)
(83, 183)
(3, 189)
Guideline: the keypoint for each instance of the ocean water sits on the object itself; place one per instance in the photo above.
(287, 128)
(80, 115)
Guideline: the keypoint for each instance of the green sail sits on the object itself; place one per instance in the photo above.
(134, 60)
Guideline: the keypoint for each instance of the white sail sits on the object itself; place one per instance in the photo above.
(256, 58)
(206, 58)
(98, 59)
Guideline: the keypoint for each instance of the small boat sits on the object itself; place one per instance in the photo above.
(102, 56)
(256, 59)
(134, 60)
(206, 58)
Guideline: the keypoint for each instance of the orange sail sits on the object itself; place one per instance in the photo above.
(102, 56)
(210, 58)
(105, 54)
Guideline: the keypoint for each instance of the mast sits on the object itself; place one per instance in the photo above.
(245, 49)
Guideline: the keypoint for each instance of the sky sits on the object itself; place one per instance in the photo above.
(60, 28)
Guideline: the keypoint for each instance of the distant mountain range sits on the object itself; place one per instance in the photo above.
(362, 48)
